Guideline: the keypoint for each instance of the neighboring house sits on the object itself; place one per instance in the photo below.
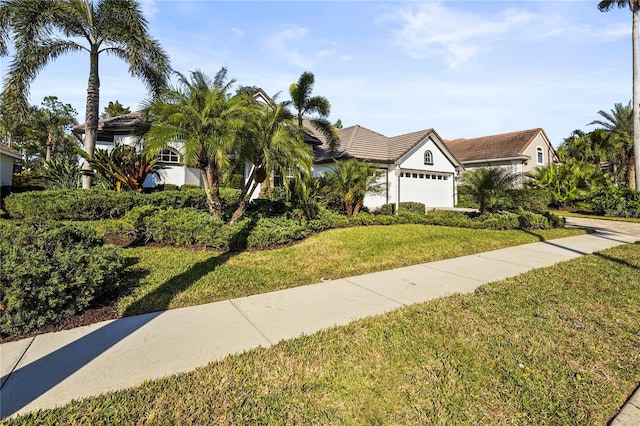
(520, 151)
(126, 129)
(416, 166)
(8, 157)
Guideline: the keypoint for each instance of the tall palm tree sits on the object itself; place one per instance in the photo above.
(42, 30)
(201, 114)
(316, 108)
(634, 6)
(272, 142)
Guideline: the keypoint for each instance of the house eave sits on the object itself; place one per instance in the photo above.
(491, 160)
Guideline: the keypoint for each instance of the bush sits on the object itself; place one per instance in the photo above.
(530, 220)
(182, 227)
(75, 204)
(504, 220)
(165, 187)
(617, 202)
(386, 209)
(276, 231)
(190, 186)
(95, 204)
(412, 206)
(326, 219)
(535, 200)
(50, 271)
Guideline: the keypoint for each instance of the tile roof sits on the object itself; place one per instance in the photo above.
(365, 144)
(504, 145)
(10, 151)
(121, 122)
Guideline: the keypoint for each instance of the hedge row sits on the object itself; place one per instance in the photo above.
(185, 227)
(49, 271)
(188, 226)
(616, 202)
(95, 204)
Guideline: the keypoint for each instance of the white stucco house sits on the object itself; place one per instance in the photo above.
(520, 151)
(415, 166)
(8, 157)
(126, 129)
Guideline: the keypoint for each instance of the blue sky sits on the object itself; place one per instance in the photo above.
(464, 68)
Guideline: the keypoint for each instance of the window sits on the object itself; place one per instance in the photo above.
(540, 155)
(169, 155)
(428, 158)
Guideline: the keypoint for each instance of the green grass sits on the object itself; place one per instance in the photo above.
(593, 216)
(557, 345)
(167, 278)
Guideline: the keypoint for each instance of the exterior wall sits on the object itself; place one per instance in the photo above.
(434, 185)
(548, 154)
(6, 170)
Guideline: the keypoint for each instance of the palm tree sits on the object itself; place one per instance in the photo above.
(201, 114)
(45, 29)
(305, 104)
(489, 185)
(350, 180)
(618, 143)
(634, 6)
(272, 142)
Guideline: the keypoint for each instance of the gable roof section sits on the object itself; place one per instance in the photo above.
(493, 147)
(365, 144)
(7, 150)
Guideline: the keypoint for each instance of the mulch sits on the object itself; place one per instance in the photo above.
(88, 316)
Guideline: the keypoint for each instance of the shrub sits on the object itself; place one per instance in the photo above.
(386, 209)
(181, 227)
(530, 220)
(276, 231)
(133, 227)
(412, 206)
(49, 271)
(555, 221)
(166, 187)
(76, 204)
(535, 200)
(504, 220)
(190, 186)
(363, 219)
(326, 219)
(616, 202)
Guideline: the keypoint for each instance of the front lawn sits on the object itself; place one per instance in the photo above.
(557, 345)
(176, 277)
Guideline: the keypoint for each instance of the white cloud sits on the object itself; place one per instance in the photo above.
(294, 45)
(431, 29)
(149, 8)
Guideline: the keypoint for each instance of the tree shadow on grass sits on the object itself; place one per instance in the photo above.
(160, 298)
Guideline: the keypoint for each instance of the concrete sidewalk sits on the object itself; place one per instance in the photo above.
(51, 369)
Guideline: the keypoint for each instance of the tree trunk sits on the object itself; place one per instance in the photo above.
(49, 144)
(244, 203)
(636, 95)
(91, 120)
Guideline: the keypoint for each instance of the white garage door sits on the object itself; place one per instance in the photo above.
(432, 189)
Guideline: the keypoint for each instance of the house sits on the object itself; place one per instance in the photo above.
(415, 166)
(521, 151)
(126, 129)
(8, 157)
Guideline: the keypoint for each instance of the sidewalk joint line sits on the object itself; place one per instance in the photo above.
(251, 322)
(18, 362)
(375, 292)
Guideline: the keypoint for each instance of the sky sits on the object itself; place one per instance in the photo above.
(464, 68)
